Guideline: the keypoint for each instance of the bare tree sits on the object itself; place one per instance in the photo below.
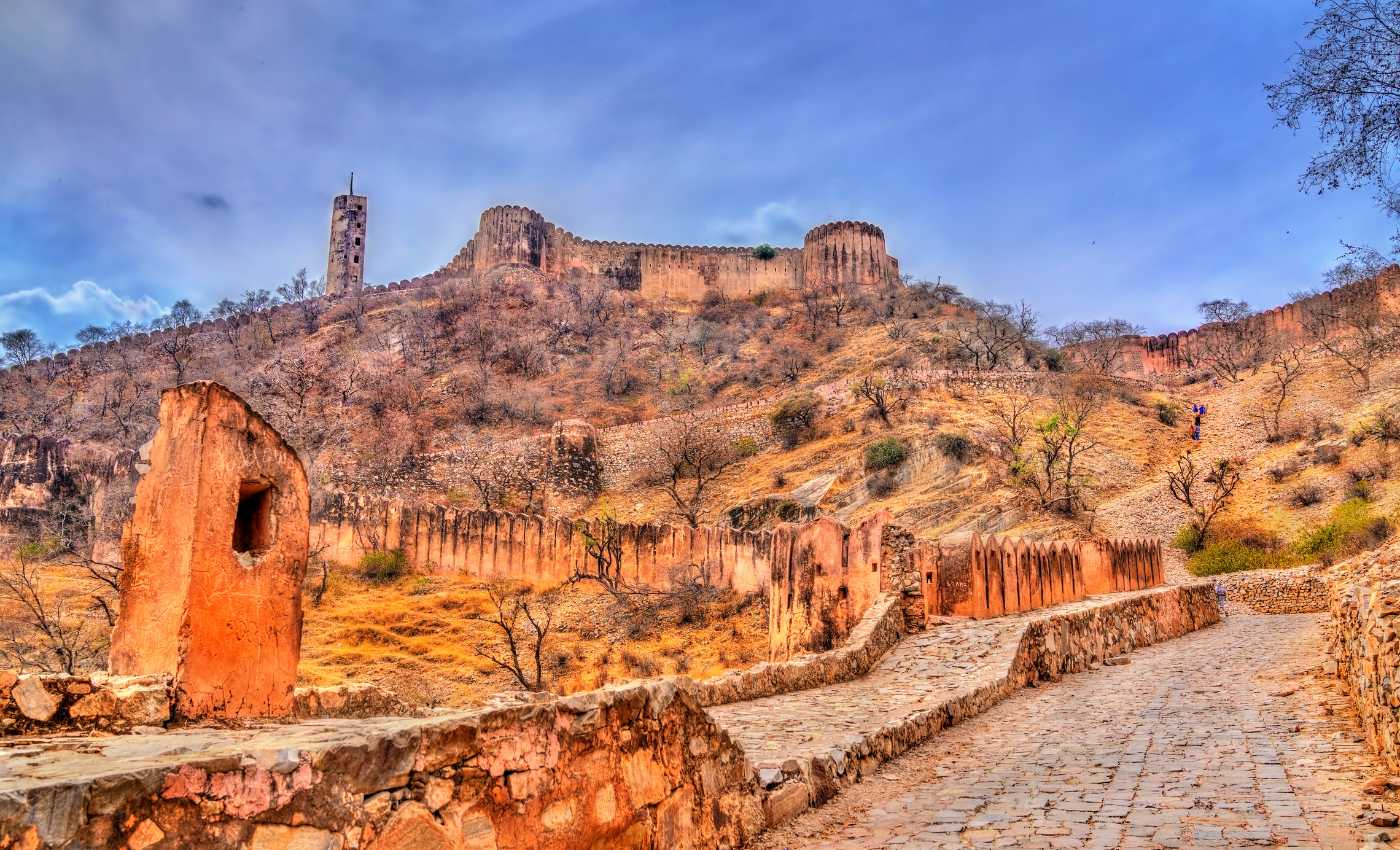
(842, 298)
(49, 635)
(1013, 415)
(1205, 492)
(1095, 345)
(994, 336)
(1347, 80)
(882, 396)
(1229, 342)
(812, 298)
(602, 547)
(692, 453)
(23, 346)
(306, 295)
(1060, 440)
(1284, 369)
(259, 303)
(1355, 324)
(175, 338)
(522, 622)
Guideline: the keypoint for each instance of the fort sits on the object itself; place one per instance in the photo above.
(841, 252)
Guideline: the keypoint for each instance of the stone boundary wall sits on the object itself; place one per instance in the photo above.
(48, 703)
(1303, 590)
(979, 577)
(641, 765)
(876, 633)
(1061, 643)
(1168, 353)
(486, 544)
(824, 578)
(635, 766)
(1365, 646)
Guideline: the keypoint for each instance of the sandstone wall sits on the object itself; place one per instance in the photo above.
(36, 472)
(1365, 645)
(975, 576)
(214, 557)
(49, 703)
(1303, 590)
(638, 766)
(831, 253)
(1169, 353)
(824, 578)
(486, 544)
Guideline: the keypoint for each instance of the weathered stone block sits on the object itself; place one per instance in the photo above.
(214, 559)
(34, 700)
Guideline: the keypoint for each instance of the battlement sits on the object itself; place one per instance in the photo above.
(837, 252)
(821, 231)
(1159, 354)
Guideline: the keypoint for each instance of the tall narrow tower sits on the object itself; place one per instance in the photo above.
(345, 268)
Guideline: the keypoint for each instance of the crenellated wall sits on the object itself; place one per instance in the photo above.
(978, 577)
(1145, 356)
(488, 544)
(839, 252)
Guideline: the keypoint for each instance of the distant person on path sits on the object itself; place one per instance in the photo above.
(1220, 596)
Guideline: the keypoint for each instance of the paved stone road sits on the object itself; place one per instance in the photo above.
(922, 671)
(1222, 738)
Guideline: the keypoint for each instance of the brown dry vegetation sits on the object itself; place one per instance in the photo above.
(367, 396)
(415, 637)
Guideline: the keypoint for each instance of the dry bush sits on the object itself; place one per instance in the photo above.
(1306, 496)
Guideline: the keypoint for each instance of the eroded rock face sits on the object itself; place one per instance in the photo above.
(214, 559)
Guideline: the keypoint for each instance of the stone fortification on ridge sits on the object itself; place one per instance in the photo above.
(839, 252)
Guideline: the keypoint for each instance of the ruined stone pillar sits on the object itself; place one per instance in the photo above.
(214, 558)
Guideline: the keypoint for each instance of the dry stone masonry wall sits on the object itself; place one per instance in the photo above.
(1365, 644)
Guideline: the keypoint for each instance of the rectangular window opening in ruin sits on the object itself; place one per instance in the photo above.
(357, 259)
(253, 530)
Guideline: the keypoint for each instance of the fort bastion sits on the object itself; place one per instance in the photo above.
(518, 237)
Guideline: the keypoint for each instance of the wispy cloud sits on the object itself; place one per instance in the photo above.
(775, 221)
(183, 149)
(60, 315)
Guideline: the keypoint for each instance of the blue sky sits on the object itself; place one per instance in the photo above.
(1097, 159)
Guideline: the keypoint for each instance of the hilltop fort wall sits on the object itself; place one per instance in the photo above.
(1163, 354)
(839, 252)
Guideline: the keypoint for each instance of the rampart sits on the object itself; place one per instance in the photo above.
(975, 576)
(1146, 356)
(839, 252)
(524, 547)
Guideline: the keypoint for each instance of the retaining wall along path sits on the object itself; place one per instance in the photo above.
(641, 765)
(1365, 644)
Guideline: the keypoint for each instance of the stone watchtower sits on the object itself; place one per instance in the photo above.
(345, 267)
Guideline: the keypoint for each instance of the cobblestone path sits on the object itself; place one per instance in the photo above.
(922, 671)
(1223, 738)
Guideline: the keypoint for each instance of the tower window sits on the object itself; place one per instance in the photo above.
(357, 241)
(357, 259)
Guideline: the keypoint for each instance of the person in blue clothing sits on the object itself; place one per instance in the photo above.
(1220, 596)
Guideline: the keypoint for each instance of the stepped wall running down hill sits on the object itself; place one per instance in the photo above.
(1164, 354)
